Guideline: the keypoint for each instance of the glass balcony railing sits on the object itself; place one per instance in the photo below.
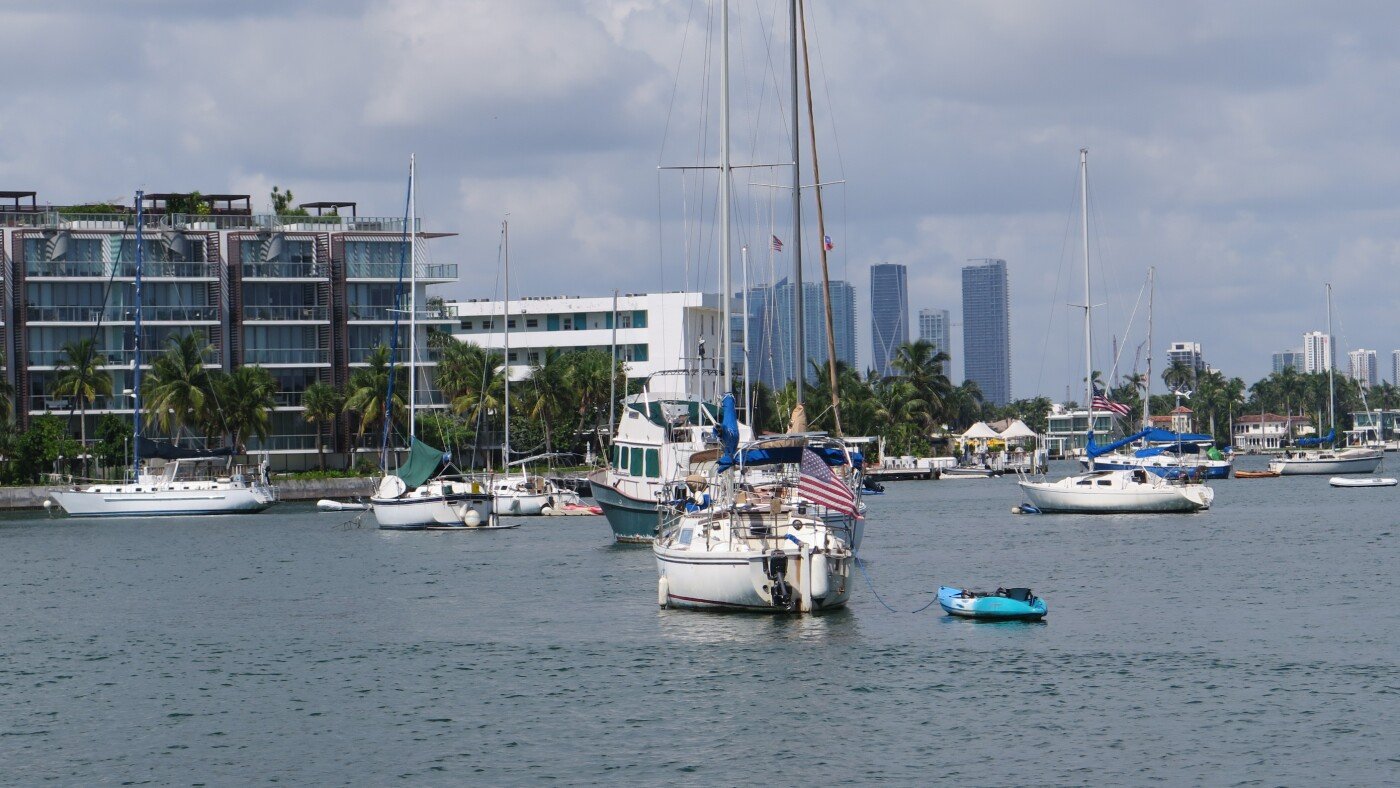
(286, 271)
(286, 313)
(283, 443)
(446, 271)
(115, 358)
(288, 399)
(122, 314)
(36, 269)
(383, 313)
(294, 355)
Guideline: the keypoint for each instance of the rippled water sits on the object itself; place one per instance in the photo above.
(1253, 644)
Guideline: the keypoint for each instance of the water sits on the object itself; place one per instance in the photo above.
(1254, 644)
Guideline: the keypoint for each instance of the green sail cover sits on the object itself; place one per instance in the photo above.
(423, 462)
(1214, 454)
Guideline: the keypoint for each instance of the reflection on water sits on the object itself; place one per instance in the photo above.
(703, 627)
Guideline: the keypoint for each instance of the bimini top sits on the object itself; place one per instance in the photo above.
(787, 449)
(148, 449)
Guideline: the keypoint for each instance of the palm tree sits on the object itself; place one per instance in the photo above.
(180, 388)
(965, 405)
(321, 405)
(1178, 375)
(80, 376)
(922, 364)
(546, 398)
(369, 385)
(244, 402)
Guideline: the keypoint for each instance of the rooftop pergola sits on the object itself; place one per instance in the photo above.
(333, 206)
(156, 202)
(17, 197)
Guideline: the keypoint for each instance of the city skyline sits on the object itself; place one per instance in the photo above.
(889, 314)
(986, 329)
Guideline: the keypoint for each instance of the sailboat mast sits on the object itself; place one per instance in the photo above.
(412, 302)
(1331, 368)
(1088, 304)
(748, 398)
(136, 345)
(1147, 385)
(505, 246)
(725, 199)
(799, 340)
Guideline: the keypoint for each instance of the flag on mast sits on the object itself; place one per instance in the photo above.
(826, 242)
(777, 244)
(820, 486)
(1102, 402)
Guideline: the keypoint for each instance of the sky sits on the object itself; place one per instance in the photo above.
(1249, 151)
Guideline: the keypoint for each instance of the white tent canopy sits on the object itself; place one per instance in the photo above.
(980, 431)
(1017, 429)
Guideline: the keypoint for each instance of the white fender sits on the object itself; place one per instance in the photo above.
(821, 583)
(472, 518)
(663, 592)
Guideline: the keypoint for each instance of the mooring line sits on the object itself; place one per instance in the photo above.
(860, 564)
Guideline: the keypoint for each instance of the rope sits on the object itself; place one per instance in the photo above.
(861, 565)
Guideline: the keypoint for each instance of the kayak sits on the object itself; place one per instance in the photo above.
(1004, 604)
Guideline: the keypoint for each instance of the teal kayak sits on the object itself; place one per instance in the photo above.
(1004, 604)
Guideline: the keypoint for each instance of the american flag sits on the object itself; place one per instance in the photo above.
(1102, 402)
(826, 241)
(820, 486)
(777, 244)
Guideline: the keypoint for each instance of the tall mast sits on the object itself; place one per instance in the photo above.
(1331, 368)
(821, 230)
(612, 375)
(1088, 304)
(748, 389)
(505, 245)
(1147, 386)
(412, 302)
(799, 340)
(725, 199)
(136, 346)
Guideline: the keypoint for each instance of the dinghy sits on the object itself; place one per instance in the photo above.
(1374, 481)
(1256, 474)
(1004, 604)
(327, 505)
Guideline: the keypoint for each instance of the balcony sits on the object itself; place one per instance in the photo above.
(287, 314)
(286, 271)
(386, 314)
(122, 314)
(288, 399)
(115, 358)
(294, 355)
(98, 269)
(359, 355)
(364, 224)
(283, 443)
(445, 272)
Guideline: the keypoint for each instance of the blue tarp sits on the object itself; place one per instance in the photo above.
(1096, 450)
(728, 431)
(1328, 438)
(1167, 436)
(778, 455)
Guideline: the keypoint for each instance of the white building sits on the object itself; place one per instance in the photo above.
(1286, 359)
(1188, 353)
(1264, 431)
(936, 326)
(1361, 367)
(1318, 354)
(655, 331)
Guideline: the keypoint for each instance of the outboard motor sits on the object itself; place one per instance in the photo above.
(775, 566)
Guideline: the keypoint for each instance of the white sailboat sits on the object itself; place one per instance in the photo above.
(420, 496)
(189, 482)
(1109, 491)
(1320, 461)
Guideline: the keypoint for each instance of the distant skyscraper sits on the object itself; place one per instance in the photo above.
(1288, 358)
(1361, 367)
(1318, 353)
(987, 329)
(1395, 367)
(889, 313)
(1189, 354)
(772, 315)
(936, 326)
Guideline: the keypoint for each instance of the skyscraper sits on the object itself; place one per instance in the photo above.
(1285, 359)
(987, 329)
(1189, 354)
(772, 319)
(936, 326)
(1361, 367)
(1395, 367)
(1318, 353)
(889, 313)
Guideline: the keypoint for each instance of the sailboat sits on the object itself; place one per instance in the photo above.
(772, 525)
(1109, 491)
(190, 482)
(421, 494)
(1320, 461)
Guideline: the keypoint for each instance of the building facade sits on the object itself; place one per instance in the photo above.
(1188, 354)
(889, 314)
(773, 323)
(1288, 359)
(306, 297)
(651, 332)
(1395, 367)
(1265, 431)
(1318, 353)
(1362, 367)
(987, 329)
(936, 327)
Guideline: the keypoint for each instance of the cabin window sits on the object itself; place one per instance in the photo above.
(684, 538)
(1105, 483)
(653, 464)
(636, 461)
(1084, 483)
(622, 458)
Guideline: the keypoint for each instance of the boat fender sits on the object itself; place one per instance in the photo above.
(821, 583)
(472, 518)
(663, 592)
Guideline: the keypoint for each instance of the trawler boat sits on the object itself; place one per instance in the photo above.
(190, 486)
(1117, 492)
(784, 542)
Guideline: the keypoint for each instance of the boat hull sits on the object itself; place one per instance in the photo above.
(632, 521)
(1328, 464)
(162, 503)
(521, 504)
(989, 608)
(1057, 497)
(736, 581)
(1372, 482)
(458, 510)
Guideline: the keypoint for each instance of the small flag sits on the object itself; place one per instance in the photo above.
(777, 244)
(1102, 402)
(820, 486)
(826, 242)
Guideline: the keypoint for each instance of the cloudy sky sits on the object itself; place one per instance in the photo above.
(1248, 150)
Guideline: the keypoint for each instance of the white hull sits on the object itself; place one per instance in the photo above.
(725, 580)
(1339, 481)
(434, 505)
(1121, 494)
(1328, 462)
(124, 501)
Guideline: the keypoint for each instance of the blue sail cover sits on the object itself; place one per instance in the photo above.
(728, 430)
(1328, 438)
(779, 455)
(1167, 436)
(1095, 450)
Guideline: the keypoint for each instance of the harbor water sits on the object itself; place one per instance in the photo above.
(1257, 643)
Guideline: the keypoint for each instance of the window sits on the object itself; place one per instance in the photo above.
(487, 325)
(532, 322)
(653, 464)
(466, 325)
(568, 323)
(510, 323)
(622, 458)
(635, 462)
(624, 320)
(534, 357)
